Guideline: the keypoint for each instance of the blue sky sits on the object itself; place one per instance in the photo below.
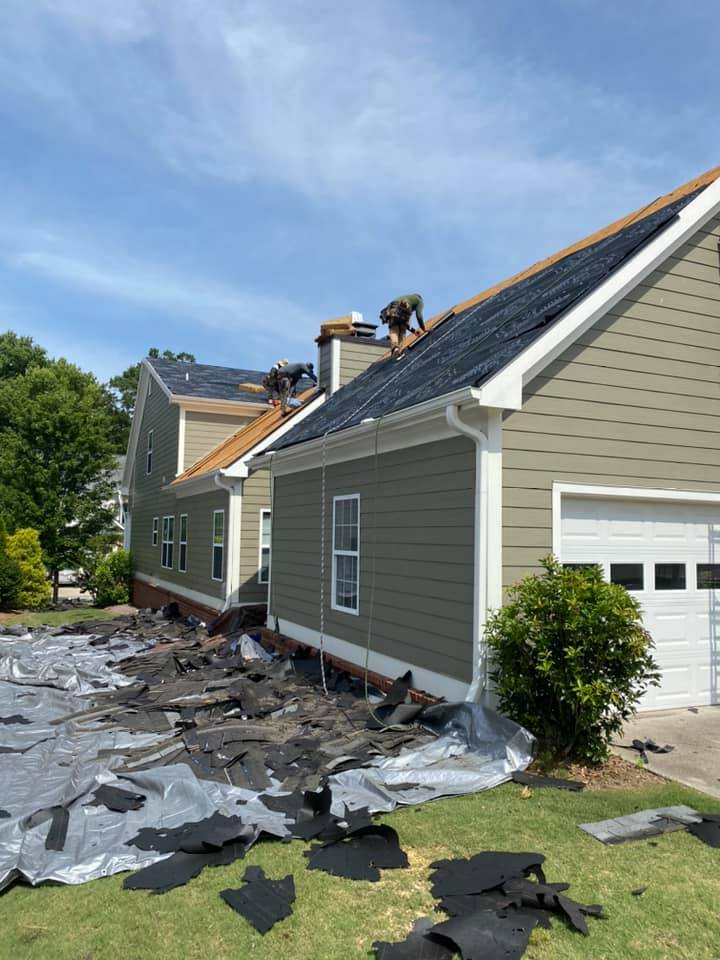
(220, 176)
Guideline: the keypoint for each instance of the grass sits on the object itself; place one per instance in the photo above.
(51, 618)
(676, 918)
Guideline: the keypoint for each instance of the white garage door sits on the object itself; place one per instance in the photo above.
(668, 555)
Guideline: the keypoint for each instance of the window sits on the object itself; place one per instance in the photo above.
(148, 462)
(218, 545)
(346, 554)
(708, 576)
(669, 576)
(265, 534)
(182, 544)
(628, 575)
(156, 521)
(168, 540)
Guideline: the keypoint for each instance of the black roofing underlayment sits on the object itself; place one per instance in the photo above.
(468, 348)
(205, 380)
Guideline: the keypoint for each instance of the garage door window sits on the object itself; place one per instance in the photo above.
(628, 575)
(708, 576)
(670, 576)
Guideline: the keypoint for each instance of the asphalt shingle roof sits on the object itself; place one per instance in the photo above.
(207, 381)
(483, 336)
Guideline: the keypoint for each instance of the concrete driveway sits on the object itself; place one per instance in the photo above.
(695, 761)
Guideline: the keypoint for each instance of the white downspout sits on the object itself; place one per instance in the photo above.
(480, 553)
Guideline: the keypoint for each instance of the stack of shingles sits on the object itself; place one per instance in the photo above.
(493, 907)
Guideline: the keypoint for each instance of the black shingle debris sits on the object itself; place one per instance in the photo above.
(643, 747)
(4, 815)
(418, 945)
(484, 871)
(708, 830)
(533, 780)
(477, 342)
(262, 902)
(642, 825)
(15, 718)
(57, 834)
(117, 799)
(359, 855)
(488, 935)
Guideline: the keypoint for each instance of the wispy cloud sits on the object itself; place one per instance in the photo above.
(205, 304)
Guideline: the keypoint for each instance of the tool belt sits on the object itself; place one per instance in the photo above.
(397, 314)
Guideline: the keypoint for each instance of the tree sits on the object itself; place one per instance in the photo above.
(17, 354)
(9, 574)
(123, 390)
(56, 449)
(571, 659)
(24, 548)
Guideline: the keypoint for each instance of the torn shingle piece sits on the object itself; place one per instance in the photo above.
(641, 825)
(178, 869)
(708, 830)
(361, 855)
(4, 815)
(487, 935)
(15, 718)
(533, 780)
(416, 946)
(117, 799)
(57, 833)
(484, 871)
(262, 902)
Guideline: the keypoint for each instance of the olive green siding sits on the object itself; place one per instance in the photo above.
(204, 431)
(416, 533)
(356, 356)
(255, 497)
(148, 500)
(634, 402)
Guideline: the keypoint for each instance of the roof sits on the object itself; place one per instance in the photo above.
(206, 381)
(243, 441)
(468, 344)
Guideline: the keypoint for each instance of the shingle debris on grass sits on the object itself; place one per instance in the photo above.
(493, 907)
(642, 825)
(418, 945)
(708, 830)
(359, 855)
(534, 780)
(263, 902)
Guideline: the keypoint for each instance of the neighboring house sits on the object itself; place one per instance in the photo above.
(197, 522)
(574, 409)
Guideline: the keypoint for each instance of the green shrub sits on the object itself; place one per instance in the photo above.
(112, 579)
(570, 659)
(9, 574)
(35, 591)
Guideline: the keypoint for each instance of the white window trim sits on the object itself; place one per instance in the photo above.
(182, 543)
(149, 453)
(155, 531)
(345, 553)
(213, 545)
(263, 511)
(166, 566)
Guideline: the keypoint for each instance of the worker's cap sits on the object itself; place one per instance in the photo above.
(283, 363)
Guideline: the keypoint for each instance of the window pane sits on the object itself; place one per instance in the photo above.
(669, 576)
(182, 559)
(217, 570)
(183, 527)
(266, 525)
(265, 565)
(219, 527)
(346, 582)
(628, 575)
(171, 528)
(708, 576)
(170, 555)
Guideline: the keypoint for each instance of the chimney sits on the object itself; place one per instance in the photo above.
(346, 347)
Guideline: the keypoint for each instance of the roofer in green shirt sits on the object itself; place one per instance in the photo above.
(397, 316)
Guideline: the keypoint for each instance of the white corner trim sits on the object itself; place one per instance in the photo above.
(494, 509)
(334, 365)
(505, 388)
(436, 684)
(181, 443)
(215, 603)
(561, 490)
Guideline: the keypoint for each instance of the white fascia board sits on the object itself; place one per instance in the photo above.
(422, 423)
(208, 405)
(598, 491)
(504, 389)
(195, 485)
(241, 466)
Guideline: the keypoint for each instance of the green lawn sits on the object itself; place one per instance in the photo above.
(677, 918)
(51, 619)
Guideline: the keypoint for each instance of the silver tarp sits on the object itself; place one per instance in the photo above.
(45, 764)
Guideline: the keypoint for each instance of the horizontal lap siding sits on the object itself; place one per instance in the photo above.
(205, 431)
(416, 513)
(355, 357)
(148, 500)
(255, 497)
(634, 402)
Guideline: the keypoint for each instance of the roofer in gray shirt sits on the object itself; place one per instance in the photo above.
(288, 378)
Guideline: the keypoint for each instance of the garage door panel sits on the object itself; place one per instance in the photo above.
(674, 537)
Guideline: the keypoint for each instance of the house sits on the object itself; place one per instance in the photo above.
(574, 409)
(197, 522)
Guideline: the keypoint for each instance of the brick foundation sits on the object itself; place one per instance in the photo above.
(146, 595)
